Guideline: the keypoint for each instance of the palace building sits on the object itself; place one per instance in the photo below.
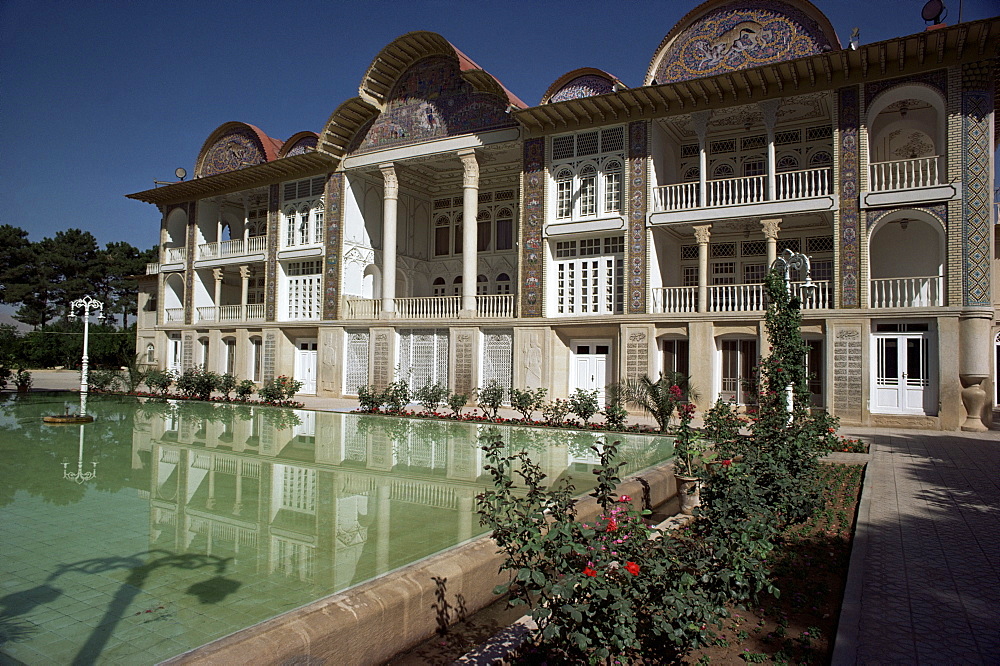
(438, 228)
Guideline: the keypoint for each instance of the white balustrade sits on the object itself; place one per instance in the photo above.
(735, 297)
(803, 184)
(230, 313)
(208, 313)
(174, 314)
(257, 244)
(675, 299)
(910, 292)
(152, 269)
(681, 196)
(904, 174)
(232, 248)
(495, 305)
(361, 308)
(433, 307)
(255, 311)
(736, 191)
(175, 255)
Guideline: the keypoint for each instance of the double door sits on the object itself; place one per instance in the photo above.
(306, 362)
(590, 365)
(905, 376)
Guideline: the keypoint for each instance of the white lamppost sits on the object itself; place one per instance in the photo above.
(79, 475)
(785, 262)
(84, 306)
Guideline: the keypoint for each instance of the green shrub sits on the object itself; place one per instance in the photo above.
(369, 398)
(160, 380)
(22, 379)
(457, 402)
(102, 379)
(227, 384)
(245, 389)
(527, 401)
(197, 383)
(555, 412)
(490, 397)
(430, 396)
(584, 403)
(396, 396)
(722, 426)
(614, 411)
(279, 390)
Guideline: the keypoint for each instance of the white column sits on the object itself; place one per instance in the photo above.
(390, 196)
(771, 228)
(702, 234)
(470, 210)
(244, 290)
(217, 274)
(769, 109)
(700, 121)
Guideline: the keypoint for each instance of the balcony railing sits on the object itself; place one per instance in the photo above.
(904, 174)
(429, 307)
(789, 185)
(174, 255)
(152, 269)
(232, 248)
(912, 292)
(735, 298)
(173, 314)
(231, 313)
(675, 299)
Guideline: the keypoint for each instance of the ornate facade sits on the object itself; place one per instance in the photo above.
(441, 228)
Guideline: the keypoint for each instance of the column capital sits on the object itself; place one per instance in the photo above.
(771, 228)
(769, 109)
(699, 119)
(245, 272)
(470, 165)
(217, 274)
(391, 190)
(702, 233)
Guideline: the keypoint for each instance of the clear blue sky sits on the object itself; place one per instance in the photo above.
(101, 98)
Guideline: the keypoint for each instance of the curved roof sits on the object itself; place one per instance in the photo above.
(298, 143)
(235, 145)
(386, 70)
(727, 35)
(582, 82)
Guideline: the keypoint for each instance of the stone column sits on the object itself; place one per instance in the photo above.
(769, 108)
(700, 121)
(771, 228)
(244, 289)
(217, 274)
(470, 209)
(390, 198)
(702, 234)
(974, 365)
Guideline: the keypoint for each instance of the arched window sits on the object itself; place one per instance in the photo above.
(484, 230)
(303, 225)
(613, 187)
(505, 229)
(482, 285)
(456, 286)
(588, 190)
(820, 159)
(787, 163)
(442, 231)
(150, 353)
(458, 234)
(290, 227)
(503, 284)
(564, 194)
(318, 227)
(692, 174)
(723, 171)
(439, 286)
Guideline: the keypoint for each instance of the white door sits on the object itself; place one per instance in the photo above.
(590, 365)
(174, 354)
(904, 374)
(306, 361)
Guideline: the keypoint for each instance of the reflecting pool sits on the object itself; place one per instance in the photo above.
(162, 526)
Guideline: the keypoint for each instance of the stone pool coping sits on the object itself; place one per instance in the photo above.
(374, 621)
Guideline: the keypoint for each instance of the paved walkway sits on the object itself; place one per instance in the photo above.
(924, 581)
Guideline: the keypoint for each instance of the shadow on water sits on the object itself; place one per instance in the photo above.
(210, 591)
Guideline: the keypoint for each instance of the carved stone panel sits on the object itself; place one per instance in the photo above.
(848, 372)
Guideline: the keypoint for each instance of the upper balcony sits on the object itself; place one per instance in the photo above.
(239, 247)
(735, 298)
(488, 306)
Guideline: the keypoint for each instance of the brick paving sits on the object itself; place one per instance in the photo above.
(924, 582)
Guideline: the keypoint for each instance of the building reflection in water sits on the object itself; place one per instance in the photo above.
(328, 500)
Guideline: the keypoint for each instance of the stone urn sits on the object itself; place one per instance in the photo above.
(688, 493)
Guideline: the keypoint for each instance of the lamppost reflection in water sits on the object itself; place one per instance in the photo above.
(79, 475)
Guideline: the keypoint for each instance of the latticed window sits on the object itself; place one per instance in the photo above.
(356, 367)
(588, 190)
(723, 249)
(591, 280)
(498, 352)
(318, 227)
(423, 356)
(739, 358)
(820, 158)
(613, 187)
(787, 163)
(564, 194)
(689, 276)
(819, 244)
(505, 229)
(298, 489)
(689, 251)
(821, 270)
(793, 244)
(724, 272)
(754, 273)
(484, 230)
(754, 167)
(753, 248)
(442, 235)
(723, 171)
(304, 289)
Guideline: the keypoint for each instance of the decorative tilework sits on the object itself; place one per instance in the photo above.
(937, 79)
(237, 149)
(192, 235)
(850, 241)
(531, 229)
(583, 86)
(638, 148)
(271, 269)
(739, 35)
(332, 219)
(940, 211)
(976, 155)
(306, 144)
(432, 100)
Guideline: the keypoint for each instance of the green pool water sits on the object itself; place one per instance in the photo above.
(163, 526)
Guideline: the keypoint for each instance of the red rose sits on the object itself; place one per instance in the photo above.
(727, 463)
(632, 568)
(624, 498)
(587, 571)
(612, 525)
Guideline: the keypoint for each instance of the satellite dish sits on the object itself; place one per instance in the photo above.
(933, 11)
(180, 172)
